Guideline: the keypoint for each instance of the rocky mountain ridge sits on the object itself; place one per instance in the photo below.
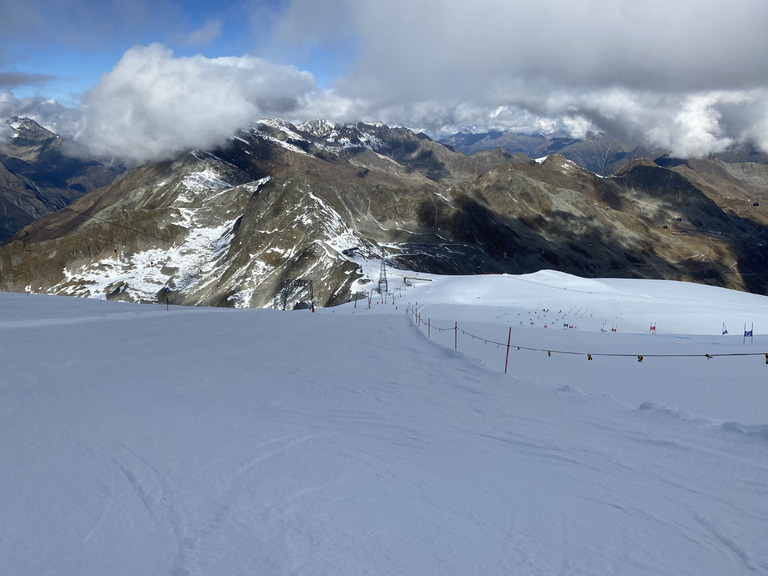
(597, 152)
(277, 201)
(38, 176)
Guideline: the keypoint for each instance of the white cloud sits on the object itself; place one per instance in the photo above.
(671, 74)
(686, 76)
(46, 112)
(687, 124)
(759, 130)
(696, 128)
(154, 105)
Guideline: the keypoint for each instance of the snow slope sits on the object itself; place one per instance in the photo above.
(137, 440)
(689, 320)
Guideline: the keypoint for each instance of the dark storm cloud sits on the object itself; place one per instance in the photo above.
(423, 49)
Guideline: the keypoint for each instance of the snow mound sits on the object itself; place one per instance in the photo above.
(753, 431)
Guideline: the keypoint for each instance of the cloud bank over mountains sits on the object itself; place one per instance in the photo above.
(687, 76)
(153, 104)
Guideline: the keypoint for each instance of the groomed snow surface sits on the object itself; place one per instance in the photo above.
(136, 440)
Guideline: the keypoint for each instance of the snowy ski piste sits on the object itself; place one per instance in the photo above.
(383, 436)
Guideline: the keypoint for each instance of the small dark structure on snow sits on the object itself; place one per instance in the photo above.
(299, 291)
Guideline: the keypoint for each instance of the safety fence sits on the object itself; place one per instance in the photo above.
(509, 345)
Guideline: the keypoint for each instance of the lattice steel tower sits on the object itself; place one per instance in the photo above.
(295, 288)
(383, 286)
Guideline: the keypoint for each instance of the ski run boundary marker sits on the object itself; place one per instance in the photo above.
(507, 346)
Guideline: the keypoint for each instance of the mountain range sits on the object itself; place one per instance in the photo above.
(597, 152)
(229, 226)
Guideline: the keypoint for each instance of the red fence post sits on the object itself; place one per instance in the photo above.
(429, 328)
(455, 335)
(509, 339)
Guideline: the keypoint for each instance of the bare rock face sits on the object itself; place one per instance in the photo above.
(37, 177)
(229, 226)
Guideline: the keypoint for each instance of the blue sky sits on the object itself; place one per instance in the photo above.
(65, 53)
(686, 76)
(75, 50)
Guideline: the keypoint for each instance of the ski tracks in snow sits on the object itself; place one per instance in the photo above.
(197, 512)
(161, 502)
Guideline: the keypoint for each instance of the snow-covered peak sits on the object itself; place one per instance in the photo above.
(281, 125)
(560, 161)
(265, 135)
(318, 128)
(28, 128)
(323, 134)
